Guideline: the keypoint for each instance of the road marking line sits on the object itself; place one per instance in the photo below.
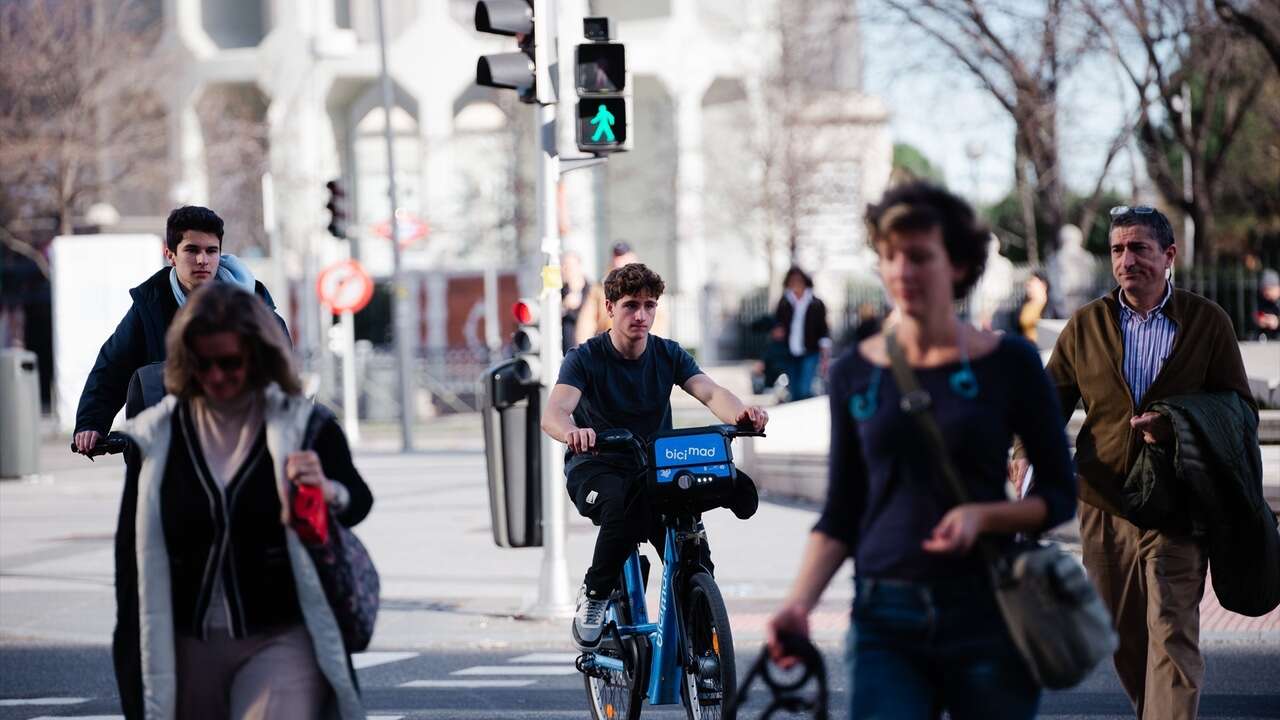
(15, 702)
(546, 658)
(468, 683)
(384, 717)
(79, 717)
(517, 670)
(372, 659)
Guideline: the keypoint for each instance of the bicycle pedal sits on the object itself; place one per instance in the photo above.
(586, 664)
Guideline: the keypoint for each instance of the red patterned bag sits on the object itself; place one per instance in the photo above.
(346, 571)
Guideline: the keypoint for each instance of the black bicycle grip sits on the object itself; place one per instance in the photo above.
(113, 444)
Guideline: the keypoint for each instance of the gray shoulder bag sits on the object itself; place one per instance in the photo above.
(1053, 613)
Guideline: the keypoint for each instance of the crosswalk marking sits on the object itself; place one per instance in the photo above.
(546, 658)
(372, 659)
(79, 717)
(14, 702)
(441, 684)
(517, 670)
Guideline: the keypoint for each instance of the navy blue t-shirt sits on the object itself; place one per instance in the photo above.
(622, 393)
(885, 492)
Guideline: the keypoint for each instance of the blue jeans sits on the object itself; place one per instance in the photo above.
(917, 648)
(800, 374)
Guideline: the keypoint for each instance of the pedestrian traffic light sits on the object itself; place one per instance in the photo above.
(337, 209)
(526, 341)
(604, 93)
(526, 71)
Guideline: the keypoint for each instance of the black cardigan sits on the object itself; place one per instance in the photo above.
(260, 608)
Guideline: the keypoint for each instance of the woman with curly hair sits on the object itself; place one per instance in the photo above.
(927, 634)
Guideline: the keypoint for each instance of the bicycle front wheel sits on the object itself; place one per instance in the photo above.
(618, 695)
(711, 677)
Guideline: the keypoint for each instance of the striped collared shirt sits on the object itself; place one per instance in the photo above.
(1147, 344)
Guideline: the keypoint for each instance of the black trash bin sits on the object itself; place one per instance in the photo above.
(511, 404)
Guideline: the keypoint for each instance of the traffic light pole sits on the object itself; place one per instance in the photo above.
(399, 293)
(553, 580)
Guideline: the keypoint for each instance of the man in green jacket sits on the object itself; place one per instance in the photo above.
(1117, 355)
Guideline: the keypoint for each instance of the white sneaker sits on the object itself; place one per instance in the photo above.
(588, 621)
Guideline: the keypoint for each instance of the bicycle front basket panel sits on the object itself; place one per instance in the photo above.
(691, 471)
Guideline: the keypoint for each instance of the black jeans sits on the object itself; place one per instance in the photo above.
(613, 497)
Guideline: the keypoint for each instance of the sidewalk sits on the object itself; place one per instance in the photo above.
(444, 582)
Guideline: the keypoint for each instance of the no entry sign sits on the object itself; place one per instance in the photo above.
(345, 287)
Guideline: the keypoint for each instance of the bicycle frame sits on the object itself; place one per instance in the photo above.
(666, 673)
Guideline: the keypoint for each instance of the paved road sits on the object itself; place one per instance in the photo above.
(451, 600)
(544, 685)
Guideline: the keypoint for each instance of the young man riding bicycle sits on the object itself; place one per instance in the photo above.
(622, 379)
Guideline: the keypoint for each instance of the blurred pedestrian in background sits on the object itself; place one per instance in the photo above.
(927, 634)
(573, 293)
(800, 324)
(220, 613)
(1266, 320)
(1036, 305)
(594, 319)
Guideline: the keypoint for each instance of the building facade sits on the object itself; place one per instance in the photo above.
(754, 143)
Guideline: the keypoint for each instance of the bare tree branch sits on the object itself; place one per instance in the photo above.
(1267, 33)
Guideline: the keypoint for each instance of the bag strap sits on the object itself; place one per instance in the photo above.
(916, 402)
(315, 420)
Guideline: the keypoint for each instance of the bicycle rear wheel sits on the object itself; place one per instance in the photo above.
(711, 679)
(618, 695)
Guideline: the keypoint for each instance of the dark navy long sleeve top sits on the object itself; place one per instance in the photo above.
(885, 493)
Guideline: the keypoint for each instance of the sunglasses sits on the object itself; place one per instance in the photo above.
(1122, 210)
(225, 363)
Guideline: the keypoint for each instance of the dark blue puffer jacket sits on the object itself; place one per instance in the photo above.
(137, 341)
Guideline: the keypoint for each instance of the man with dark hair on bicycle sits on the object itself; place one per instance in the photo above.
(622, 379)
(193, 247)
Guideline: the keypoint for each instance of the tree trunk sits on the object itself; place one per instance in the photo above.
(1026, 196)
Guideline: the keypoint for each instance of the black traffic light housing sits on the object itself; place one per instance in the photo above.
(527, 71)
(337, 209)
(526, 342)
(603, 117)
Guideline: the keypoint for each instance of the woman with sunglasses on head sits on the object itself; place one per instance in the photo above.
(927, 634)
(220, 613)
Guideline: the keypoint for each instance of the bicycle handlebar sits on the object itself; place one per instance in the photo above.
(622, 439)
(113, 444)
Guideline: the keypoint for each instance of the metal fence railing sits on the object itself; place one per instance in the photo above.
(1235, 288)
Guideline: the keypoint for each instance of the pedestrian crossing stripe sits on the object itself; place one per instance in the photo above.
(467, 684)
(15, 702)
(550, 658)
(121, 717)
(365, 660)
(517, 670)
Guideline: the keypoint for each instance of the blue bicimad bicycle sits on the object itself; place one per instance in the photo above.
(687, 655)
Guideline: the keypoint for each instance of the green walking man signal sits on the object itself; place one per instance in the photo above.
(604, 125)
(603, 114)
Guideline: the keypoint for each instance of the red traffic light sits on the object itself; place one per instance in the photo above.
(524, 312)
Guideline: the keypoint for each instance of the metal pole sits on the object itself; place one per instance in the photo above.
(492, 338)
(553, 580)
(399, 294)
(1188, 186)
(350, 409)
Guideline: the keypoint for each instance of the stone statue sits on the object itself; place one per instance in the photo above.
(993, 287)
(1072, 271)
